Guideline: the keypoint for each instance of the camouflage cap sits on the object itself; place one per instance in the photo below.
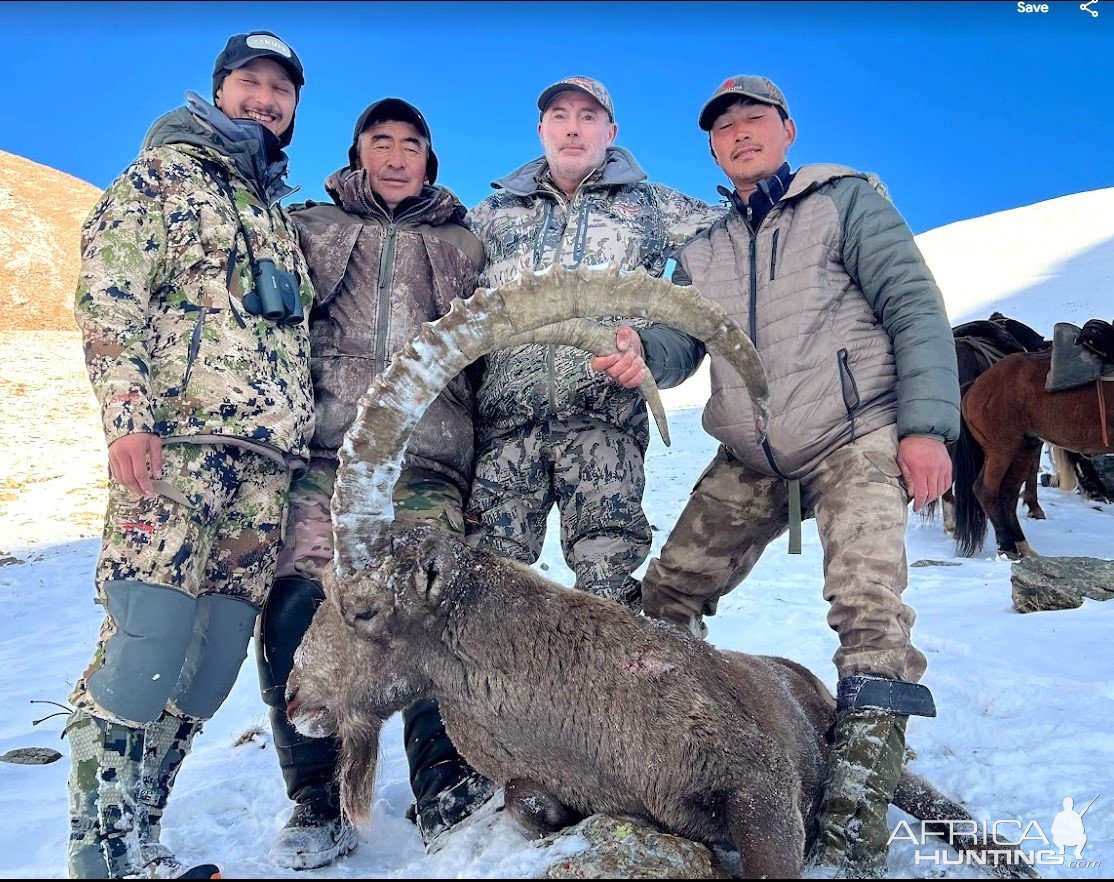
(590, 87)
(730, 90)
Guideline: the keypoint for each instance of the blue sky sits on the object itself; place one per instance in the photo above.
(962, 108)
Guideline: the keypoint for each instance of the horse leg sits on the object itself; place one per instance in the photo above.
(1090, 482)
(1029, 494)
(947, 501)
(1015, 475)
(1065, 474)
(989, 493)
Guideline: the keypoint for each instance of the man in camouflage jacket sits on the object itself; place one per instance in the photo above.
(388, 255)
(823, 273)
(554, 426)
(191, 300)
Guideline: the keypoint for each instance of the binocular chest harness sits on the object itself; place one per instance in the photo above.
(275, 294)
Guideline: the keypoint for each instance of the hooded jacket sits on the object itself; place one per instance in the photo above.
(615, 217)
(169, 346)
(380, 276)
(844, 313)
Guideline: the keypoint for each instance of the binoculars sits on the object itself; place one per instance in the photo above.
(276, 295)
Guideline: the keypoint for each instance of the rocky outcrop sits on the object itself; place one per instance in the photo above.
(624, 849)
(1048, 583)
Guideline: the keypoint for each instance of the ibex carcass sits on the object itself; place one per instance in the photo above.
(574, 703)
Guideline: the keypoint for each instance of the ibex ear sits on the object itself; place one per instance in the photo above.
(434, 564)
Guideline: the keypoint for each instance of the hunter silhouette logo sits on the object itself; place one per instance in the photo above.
(1068, 830)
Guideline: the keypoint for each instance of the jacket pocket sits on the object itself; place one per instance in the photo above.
(848, 387)
(331, 259)
(195, 346)
(773, 256)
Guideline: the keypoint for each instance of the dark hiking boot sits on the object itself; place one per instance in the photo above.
(200, 871)
(446, 789)
(316, 834)
(452, 805)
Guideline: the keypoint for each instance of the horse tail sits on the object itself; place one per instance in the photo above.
(1066, 478)
(970, 519)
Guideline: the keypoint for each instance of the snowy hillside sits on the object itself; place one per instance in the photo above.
(1041, 264)
(1026, 702)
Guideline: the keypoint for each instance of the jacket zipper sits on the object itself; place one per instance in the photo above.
(385, 272)
(754, 331)
(773, 256)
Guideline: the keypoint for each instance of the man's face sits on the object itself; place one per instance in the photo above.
(575, 131)
(750, 142)
(260, 90)
(394, 156)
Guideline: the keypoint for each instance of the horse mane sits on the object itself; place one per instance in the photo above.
(991, 333)
(1029, 339)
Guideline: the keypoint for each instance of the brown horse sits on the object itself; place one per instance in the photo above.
(1006, 415)
(978, 345)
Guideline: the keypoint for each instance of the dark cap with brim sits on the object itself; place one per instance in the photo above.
(755, 88)
(242, 48)
(393, 110)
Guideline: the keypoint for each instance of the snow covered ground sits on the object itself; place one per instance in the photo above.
(1026, 702)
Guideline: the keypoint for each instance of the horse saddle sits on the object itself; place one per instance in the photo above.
(1080, 355)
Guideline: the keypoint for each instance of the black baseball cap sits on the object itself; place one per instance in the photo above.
(242, 48)
(393, 110)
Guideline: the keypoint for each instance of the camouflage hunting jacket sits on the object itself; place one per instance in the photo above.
(844, 313)
(168, 344)
(529, 224)
(379, 276)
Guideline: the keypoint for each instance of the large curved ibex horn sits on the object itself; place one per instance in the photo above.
(371, 456)
(599, 340)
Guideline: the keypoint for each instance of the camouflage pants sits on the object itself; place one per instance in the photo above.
(595, 474)
(307, 550)
(213, 528)
(860, 505)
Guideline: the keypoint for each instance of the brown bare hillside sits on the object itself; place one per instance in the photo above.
(41, 212)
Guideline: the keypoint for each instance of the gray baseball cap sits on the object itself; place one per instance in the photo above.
(590, 87)
(731, 90)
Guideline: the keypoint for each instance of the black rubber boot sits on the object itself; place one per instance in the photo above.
(446, 789)
(316, 834)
